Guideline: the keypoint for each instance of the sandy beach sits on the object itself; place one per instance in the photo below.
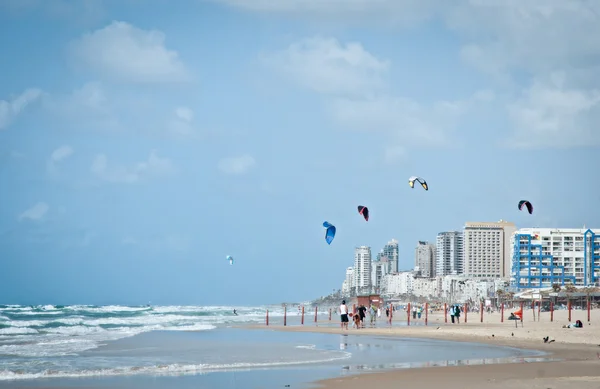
(577, 349)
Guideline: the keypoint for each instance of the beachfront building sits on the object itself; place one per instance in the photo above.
(425, 259)
(362, 270)
(449, 253)
(391, 253)
(487, 249)
(542, 257)
(378, 270)
(348, 284)
(425, 287)
(398, 283)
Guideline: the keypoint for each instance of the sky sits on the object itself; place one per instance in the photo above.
(141, 142)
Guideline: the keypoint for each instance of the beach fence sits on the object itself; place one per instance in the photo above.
(519, 310)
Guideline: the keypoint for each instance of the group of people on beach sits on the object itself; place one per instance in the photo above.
(373, 312)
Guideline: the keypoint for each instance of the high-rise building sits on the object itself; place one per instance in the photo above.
(362, 269)
(425, 259)
(348, 284)
(378, 270)
(542, 257)
(449, 253)
(487, 249)
(390, 251)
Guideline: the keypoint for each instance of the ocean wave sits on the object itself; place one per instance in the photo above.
(31, 331)
(167, 369)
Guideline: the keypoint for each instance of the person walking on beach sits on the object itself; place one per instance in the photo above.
(344, 315)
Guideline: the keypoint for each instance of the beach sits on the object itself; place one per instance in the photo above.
(213, 348)
(577, 351)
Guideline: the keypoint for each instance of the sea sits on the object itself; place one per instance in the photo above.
(202, 347)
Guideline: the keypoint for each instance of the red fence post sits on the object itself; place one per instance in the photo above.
(445, 312)
(285, 315)
(481, 311)
(569, 307)
(316, 309)
(588, 307)
(302, 318)
(426, 312)
(329, 314)
(408, 314)
(502, 313)
(267, 317)
(551, 311)
(466, 310)
(391, 313)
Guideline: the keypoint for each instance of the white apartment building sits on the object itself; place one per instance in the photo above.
(449, 253)
(348, 284)
(542, 257)
(362, 269)
(487, 249)
(425, 259)
(398, 283)
(391, 253)
(425, 287)
(378, 270)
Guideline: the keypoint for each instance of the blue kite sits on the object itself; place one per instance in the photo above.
(330, 233)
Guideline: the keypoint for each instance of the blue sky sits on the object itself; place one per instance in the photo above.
(143, 142)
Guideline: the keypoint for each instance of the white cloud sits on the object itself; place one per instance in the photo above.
(154, 166)
(328, 66)
(546, 55)
(518, 44)
(59, 154)
(237, 165)
(182, 122)
(36, 212)
(352, 82)
(551, 115)
(129, 53)
(10, 109)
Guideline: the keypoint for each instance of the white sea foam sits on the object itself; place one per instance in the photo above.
(168, 369)
(63, 330)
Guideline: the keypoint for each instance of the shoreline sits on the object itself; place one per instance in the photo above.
(575, 354)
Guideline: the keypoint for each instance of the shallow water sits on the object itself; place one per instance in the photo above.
(240, 358)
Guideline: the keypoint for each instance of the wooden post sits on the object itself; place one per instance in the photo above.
(502, 313)
(551, 310)
(267, 317)
(569, 307)
(285, 315)
(408, 315)
(329, 314)
(466, 309)
(316, 309)
(426, 312)
(533, 308)
(539, 308)
(302, 318)
(445, 312)
(481, 312)
(589, 305)
(391, 313)
(354, 309)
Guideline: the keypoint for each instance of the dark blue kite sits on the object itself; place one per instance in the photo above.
(330, 233)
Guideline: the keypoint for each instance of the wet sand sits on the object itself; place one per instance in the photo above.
(577, 348)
